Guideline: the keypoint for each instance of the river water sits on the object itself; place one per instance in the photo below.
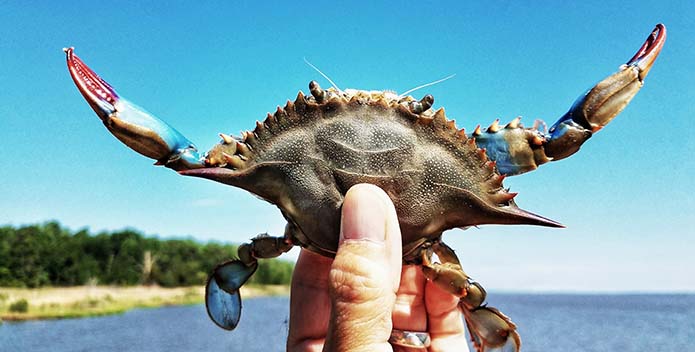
(546, 322)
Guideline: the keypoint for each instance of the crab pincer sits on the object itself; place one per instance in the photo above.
(517, 150)
(132, 125)
(604, 101)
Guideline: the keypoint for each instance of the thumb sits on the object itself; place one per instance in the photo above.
(365, 274)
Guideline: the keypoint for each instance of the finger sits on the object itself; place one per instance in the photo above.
(394, 250)
(309, 303)
(409, 313)
(365, 273)
(446, 326)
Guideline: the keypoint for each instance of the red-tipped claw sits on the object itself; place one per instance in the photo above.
(647, 53)
(99, 94)
(135, 127)
(603, 102)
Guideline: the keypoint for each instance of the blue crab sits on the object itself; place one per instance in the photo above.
(306, 155)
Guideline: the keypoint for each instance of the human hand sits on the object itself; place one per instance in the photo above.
(353, 302)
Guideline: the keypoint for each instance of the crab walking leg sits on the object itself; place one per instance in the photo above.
(490, 330)
(132, 125)
(222, 298)
(517, 150)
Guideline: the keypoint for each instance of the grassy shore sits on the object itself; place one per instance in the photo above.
(87, 301)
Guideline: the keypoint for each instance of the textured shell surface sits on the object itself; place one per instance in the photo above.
(305, 156)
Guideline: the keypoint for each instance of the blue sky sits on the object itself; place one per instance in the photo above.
(625, 198)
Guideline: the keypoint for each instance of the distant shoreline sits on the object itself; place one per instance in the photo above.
(89, 301)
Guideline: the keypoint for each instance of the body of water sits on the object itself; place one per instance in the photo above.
(546, 323)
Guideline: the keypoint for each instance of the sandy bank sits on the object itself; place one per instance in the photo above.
(83, 301)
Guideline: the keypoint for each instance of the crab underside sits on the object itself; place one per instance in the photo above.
(306, 155)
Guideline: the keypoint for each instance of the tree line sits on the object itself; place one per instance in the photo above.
(51, 255)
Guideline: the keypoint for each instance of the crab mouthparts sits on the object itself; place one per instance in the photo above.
(99, 94)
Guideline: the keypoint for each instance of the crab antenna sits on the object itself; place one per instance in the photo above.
(426, 85)
(322, 74)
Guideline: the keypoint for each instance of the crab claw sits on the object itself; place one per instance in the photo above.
(132, 125)
(595, 109)
(222, 299)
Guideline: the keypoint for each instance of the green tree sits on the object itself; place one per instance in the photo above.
(7, 278)
(274, 272)
(25, 257)
(48, 254)
(178, 264)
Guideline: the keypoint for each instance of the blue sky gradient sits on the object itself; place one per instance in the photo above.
(217, 67)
